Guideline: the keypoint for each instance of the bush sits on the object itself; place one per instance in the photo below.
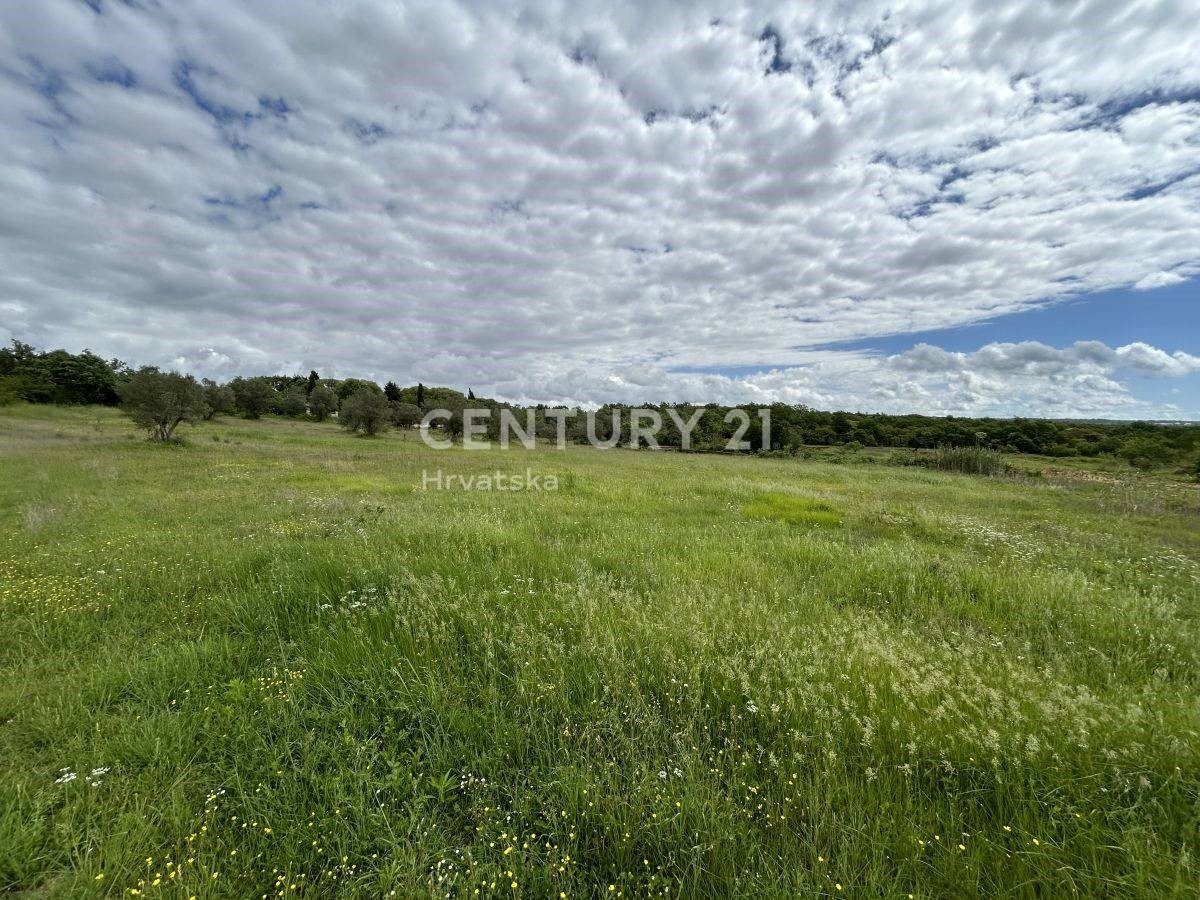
(290, 401)
(350, 386)
(218, 398)
(11, 389)
(160, 401)
(1146, 451)
(904, 458)
(365, 410)
(969, 461)
(252, 395)
(322, 402)
(57, 376)
(406, 415)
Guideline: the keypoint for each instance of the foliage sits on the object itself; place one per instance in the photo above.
(161, 401)
(406, 415)
(348, 386)
(291, 401)
(57, 376)
(218, 398)
(969, 461)
(365, 410)
(253, 396)
(11, 389)
(322, 402)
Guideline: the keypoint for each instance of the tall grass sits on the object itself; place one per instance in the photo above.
(273, 665)
(969, 461)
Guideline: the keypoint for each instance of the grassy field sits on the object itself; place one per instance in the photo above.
(267, 663)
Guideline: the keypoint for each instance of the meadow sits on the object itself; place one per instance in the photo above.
(266, 663)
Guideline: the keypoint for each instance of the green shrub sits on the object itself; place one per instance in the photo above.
(365, 410)
(252, 395)
(904, 458)
(322, 402)
(290, 402)
(406, 415)
(10, 389)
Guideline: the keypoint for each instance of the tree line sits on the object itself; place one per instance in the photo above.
(161, 401)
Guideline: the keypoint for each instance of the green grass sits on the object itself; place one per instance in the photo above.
(792, 509)
(673, 676)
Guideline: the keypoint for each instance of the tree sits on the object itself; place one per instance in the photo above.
(58, 376)
(348, 386)
(290, 401)
(391, 390)
(470, 394)
(455, 425)
(80, 378)
(322, 402)
(420, 394)
(365, 410)
(406, 415)
(160, 401)
(313, 380)
(1144, 451)
(252, 395)
(218, 398)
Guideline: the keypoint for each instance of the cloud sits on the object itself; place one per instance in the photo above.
(1157, 280)
(1035, 359)
(1083, 380)
(539, 201)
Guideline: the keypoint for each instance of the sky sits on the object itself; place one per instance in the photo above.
(942, 207)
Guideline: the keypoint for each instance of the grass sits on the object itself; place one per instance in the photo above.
(274, 665)
(795, 510)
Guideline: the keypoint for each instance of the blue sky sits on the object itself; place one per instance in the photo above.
(859, 207)
(1167, 317)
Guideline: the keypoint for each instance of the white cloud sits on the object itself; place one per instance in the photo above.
(539, 200)
(1028, 378)
(1157, 280)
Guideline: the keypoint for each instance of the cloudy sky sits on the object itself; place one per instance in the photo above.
(946, 207)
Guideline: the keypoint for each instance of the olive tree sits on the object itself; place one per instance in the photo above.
(406, 415)
(290, 401)
(322, 402)
(160, 401)
(365, 410)
(218, 398)
(253, 395)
